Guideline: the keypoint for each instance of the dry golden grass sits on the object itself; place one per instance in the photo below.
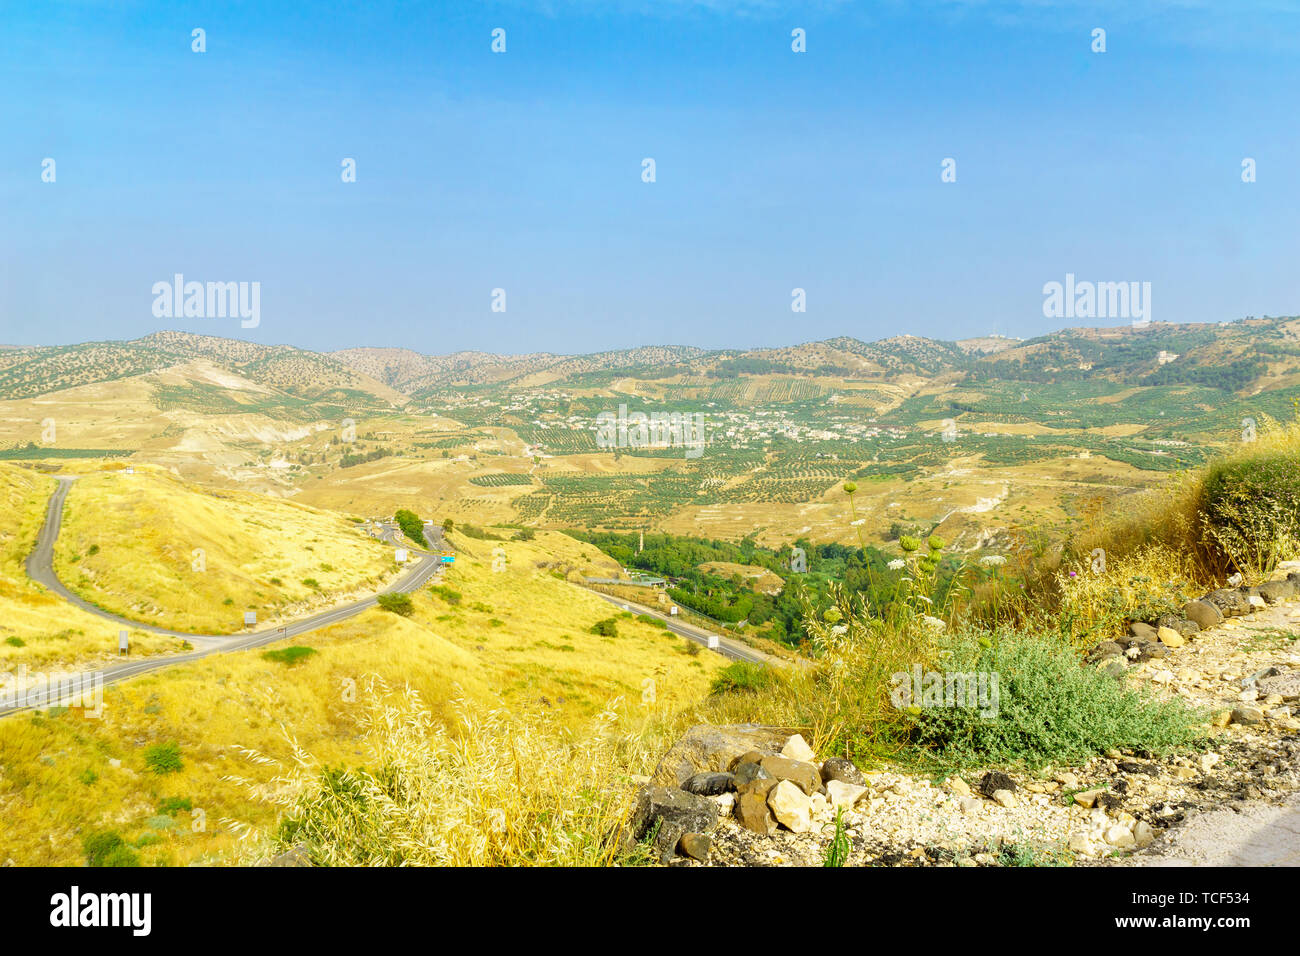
(37, 629)
(56, 782)
(153, 548)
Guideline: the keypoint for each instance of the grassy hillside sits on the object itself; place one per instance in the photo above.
(519, 639)
(37, 629)
(155, 549)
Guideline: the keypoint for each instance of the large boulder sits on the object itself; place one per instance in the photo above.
(791, 806)
(1275, 591)
(753, 814)
(1231, 602)
(706, 748)
(1203, 613)
(710, 783)
(803, 775)
(1180, 624)
(1286, 685)
(844, 770)
(676, 811)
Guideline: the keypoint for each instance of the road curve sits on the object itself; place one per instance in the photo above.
(40, 567)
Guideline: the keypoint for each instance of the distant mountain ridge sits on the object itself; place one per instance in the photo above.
(1245, 355)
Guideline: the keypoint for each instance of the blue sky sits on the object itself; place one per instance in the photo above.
(522, 170)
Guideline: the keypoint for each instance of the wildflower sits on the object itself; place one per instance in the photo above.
(897, 564)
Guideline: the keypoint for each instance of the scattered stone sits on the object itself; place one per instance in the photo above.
(791, 807)
(695, 845)
(752, 778)
(796, 748)
(753, 814)
(296, 855)
(1143, 835)
(1088, 798)
(958, 786)
(1230, 603)
(1120, 836)
(1182, 773)
(841, 794)
(968, 804)
(1204, 614)
(1169, 637)
(1246, 714)
(1067, 780)
(1285, 685)
(996, 780)
(803, 775)
(708, 748)
(1144, 631)
(1276, 591)
(1104, 650)
(1114, 666)
(676, 811)
(1004, 798)
(1180, 624)
(710, 784)
(844, 770)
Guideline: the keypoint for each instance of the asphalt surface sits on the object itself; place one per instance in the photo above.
(732, 650)
(40, 567)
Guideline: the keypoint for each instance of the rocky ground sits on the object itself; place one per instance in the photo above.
(762, 798)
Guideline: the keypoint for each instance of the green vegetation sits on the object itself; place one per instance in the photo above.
(411, 526)
(288, 655)
(163, 758)
(606, 628)
(1043, 709)
(396, 603)
(107, 848)
(1251, 507)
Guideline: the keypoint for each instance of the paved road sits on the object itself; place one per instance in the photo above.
(40, 566)
(733, 650)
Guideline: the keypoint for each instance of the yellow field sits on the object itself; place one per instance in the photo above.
(154, 549)
(518, 638)
(37, 629)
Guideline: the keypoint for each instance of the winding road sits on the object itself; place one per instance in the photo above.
(40, 567)
(56, 688)
(732, 650)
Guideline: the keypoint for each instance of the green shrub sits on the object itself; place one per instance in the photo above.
(15, 642)
(288, 655)
(1251, 507)
(606, 628)
(107, 848)
(1049, 708)
(411, 526)
(175, 805)
(396, 603)
(446, 593)
(742, 676)
(163, 758)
